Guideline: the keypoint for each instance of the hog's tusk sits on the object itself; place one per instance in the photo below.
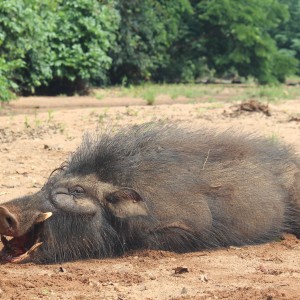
(34, 247)
(43, 217)
(26, 254)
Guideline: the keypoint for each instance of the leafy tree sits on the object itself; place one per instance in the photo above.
(146, 31)
(222, 36)
(23, 34)
(63, 46)
(83, 35)
(55, 46)
(186, 53)
(236, 34)
(287, 35)
(6, 86)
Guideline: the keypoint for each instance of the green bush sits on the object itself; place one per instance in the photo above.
(287, 35)
(56, 46)
(236, 34)
(24, 31)
(84, 33)
(224, 37)
(146, 32)
(6, 86)
(284, 64)
(65, 46)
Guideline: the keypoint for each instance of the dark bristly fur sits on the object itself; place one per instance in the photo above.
(164, 187)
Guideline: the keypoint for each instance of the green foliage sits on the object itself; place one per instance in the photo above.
(287, 35)
(24, 30)
(228, 37)
(5, 84)
(150, 92)
(208, 93)
(235, 34)
(284, 65)
(146, 31)
(54, 45)
(64, 46)
(83, 35)
(149, 96)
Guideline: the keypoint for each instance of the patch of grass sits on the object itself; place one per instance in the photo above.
(61, 127)
(181, 91)
(149, 96)
(99, 96)
(274, 138)
(37, 121)
(150, 92)
(200, 111)
(293, 78)
(132, 112)
(196, 93)
(269, 93)
(26, 122)
(212, 100)
(50, 116)
(102, 116)
(35, 126)
(118, 117)
(214, 105)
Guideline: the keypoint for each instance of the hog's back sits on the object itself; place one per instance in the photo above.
(225, 188)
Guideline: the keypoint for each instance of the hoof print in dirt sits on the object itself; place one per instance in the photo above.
(158, 187)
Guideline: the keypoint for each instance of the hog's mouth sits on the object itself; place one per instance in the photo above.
(19, 248)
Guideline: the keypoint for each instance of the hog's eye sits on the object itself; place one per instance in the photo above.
(76, 191)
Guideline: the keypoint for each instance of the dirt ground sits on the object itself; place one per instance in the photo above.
(38, 134)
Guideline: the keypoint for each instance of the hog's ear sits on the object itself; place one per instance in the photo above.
(125, 203)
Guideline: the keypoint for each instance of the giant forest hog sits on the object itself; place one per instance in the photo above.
(156, 187)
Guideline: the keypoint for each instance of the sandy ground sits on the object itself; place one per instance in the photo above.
(37, 135)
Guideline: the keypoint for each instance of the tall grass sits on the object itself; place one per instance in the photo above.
(205, 92)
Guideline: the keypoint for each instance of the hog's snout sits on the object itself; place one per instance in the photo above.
(8, 222)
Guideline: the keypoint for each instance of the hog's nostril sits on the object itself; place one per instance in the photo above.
(10, 221)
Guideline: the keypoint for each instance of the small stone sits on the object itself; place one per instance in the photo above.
(61, 269)
(29, 285)
(181, 270)
(203, 277)
(184, 291)
(94, 283)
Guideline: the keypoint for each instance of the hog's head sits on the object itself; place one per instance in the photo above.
(71, 217)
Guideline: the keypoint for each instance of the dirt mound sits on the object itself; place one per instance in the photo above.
(250, 106)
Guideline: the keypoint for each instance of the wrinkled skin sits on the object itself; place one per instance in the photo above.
(157, 187)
